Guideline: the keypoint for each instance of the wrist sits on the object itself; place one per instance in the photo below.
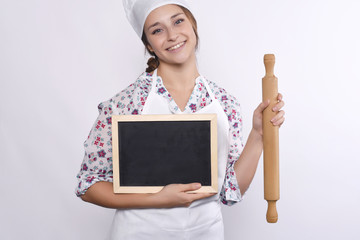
(154, 200)
(256, 135)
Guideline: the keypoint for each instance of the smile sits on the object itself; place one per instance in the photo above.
(176, 46)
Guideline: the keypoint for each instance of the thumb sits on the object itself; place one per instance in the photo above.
(190, 187)
(262, 106)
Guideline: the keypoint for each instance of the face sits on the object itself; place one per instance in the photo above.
(170, 34)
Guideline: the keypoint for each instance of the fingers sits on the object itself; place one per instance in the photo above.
(278, 119)
(278, 106)
(266, 103)
(181, 194)
(198, 196)
(194, 196)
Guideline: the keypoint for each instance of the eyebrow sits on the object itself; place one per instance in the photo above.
(157, 23)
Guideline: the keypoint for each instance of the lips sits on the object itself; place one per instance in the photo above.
(176, 46)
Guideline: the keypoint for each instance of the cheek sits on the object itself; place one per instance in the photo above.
(155, 44)
(191, 33)
(193, 37)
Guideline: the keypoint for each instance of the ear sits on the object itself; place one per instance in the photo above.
(150, 48)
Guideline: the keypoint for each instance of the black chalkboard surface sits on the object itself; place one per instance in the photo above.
(151, 151)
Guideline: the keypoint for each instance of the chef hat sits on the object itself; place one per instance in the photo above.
(138, 10)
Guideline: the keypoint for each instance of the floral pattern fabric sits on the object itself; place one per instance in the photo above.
(97, 162)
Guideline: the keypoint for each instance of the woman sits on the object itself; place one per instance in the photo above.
(172, 85)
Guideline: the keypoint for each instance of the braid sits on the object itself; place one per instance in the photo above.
(153, 63)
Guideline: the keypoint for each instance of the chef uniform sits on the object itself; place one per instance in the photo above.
(203, 218)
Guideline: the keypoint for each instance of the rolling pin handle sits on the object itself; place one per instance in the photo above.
(269, 61)
(271, 215)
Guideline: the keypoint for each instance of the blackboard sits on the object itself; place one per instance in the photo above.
(151, 151)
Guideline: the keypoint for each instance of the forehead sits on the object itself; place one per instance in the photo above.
(162, 14)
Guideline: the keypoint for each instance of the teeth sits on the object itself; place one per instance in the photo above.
(176, 46)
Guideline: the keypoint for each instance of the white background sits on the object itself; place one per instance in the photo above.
(60, 59)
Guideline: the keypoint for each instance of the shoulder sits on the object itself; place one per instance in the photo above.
(129, 99)
(229, 103)
(225, 98)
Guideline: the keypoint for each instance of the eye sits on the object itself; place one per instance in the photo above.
(156, 31)
(179, 21)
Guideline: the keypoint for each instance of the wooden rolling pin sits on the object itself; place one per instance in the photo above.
(270, 140)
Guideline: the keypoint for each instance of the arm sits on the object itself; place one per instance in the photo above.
(173, 195)
(101, 193)
(245, 166)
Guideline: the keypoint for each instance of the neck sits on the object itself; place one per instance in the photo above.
(178, 76)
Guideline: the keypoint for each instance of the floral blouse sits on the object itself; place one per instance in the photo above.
(97, 163)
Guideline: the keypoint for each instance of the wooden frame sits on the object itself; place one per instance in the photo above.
(118, 119)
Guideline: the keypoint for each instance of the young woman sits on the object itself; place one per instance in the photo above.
(172, 85)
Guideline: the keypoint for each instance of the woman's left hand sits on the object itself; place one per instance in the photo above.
(277, 120)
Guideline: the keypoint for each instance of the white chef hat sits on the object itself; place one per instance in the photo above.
(138, 10)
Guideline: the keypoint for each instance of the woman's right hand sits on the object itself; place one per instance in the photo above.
(177, 195)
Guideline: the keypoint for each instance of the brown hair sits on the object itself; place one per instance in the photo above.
(153, 62)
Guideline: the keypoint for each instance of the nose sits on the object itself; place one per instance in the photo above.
(172, 35)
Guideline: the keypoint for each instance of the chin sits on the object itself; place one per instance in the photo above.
(180, 60)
